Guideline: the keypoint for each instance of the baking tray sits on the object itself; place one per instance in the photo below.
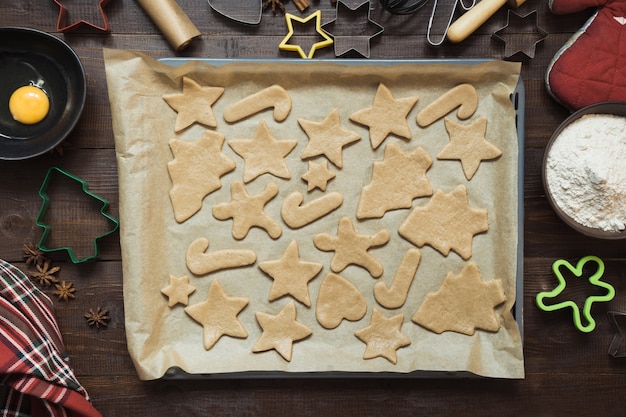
(161, 339)
(518, 100)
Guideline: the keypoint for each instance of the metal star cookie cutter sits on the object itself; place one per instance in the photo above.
(594, 279)
(65, 13)
(47, 229)
(516, 33)
(353, 29)
(617, 347)
(286, 46)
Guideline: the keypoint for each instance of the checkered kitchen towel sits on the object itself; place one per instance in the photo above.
(35, 377)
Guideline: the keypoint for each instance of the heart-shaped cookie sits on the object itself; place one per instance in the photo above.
(339, 299)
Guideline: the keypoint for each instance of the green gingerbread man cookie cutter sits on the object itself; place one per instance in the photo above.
(594, 279)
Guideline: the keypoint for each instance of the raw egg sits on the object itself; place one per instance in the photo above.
(29, 104)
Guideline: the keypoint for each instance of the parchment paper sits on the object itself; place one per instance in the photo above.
(154, 244)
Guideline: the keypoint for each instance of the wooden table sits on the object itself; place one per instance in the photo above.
(567, 372)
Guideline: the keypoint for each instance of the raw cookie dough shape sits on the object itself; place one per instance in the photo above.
(463, 97)
(351, 248)
(218, 315)
(178, 290)
(291, 275)
(263, 154)
(201, 263)
(386, 116)
(280, 331)
(196, 171)
(274, 96)
(395, 296)
(462, 304)
(318, 175)
(327, 138)
(296, 215)
(338, 300)
(383, 337)
(194, 104)
(468, 144)
(446, 222)
(248, 211)
(396, 181)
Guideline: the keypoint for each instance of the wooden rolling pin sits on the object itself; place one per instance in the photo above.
(175, 25)
(476, 16)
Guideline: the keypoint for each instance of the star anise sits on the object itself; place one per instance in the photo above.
(60, 148)
(45, 274)
(33, 255)
(98, 317)
(65, 291)
(274, 4)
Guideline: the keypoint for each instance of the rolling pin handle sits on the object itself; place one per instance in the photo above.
(473, 18)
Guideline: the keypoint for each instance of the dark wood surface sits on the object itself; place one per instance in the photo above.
(568, 373)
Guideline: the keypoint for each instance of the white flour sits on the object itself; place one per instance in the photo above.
(586, 171)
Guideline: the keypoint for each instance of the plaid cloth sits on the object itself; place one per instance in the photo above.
(35, 377)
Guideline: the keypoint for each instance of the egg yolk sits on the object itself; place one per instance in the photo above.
(29, 104)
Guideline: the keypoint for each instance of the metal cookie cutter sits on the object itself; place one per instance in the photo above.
(594, 279)
(520, 35)
(247, 12)
(617, 347)
(353, 29)
(64, 24)
(404, 7)
(47, 229)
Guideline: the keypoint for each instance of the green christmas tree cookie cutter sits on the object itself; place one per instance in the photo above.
(594, 279)
(43, 193)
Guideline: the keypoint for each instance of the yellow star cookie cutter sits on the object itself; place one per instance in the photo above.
(286, 46)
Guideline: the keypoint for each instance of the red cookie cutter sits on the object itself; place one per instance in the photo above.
(65, 14)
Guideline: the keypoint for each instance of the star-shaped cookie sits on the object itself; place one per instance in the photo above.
(291, 275)
(218, 315)
(351, 248)
(318, 175)
(446, 222)
(396, 181)
(327, 138)
(263, 154)
(248, 211)
(462, 304)
(383, 337)
(280, 331)
(178, 290)
(196, 171)
(194, 104)
(386, 116)
(468, 144)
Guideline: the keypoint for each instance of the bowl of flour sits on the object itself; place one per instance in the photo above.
(584, 170)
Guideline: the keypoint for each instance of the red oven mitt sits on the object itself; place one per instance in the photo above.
(591, 66)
